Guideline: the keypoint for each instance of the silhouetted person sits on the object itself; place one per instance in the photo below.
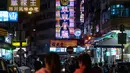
(52, 63)
(84, 64)
(101, 67)
(37, 65)
(96, 69)
(122, 70)
(112, 69)
(106, 68)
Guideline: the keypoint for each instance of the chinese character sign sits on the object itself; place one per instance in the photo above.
(8, 16)
(82, 11)
(3, 16)
(24, 5)
(13, 16)
(65, 19)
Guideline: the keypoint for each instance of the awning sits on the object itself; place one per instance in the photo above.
(108, 43)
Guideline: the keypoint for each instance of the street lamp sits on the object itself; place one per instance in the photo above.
(29, 12)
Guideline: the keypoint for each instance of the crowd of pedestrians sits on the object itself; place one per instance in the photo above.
(78, 64)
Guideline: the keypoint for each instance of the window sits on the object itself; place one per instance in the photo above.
(119, 11)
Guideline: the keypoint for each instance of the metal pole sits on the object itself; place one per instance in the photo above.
(20, 39)
(101, 56)
(122, 50)
(20, 48)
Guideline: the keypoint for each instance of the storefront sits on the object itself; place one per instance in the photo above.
(6, 49)
(60, 46)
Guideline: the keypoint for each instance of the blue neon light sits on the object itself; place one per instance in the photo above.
(4, 16)
(13, 16)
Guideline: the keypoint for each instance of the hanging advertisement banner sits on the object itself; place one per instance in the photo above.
(24, 5)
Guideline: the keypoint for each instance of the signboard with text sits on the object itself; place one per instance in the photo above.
(13, 16)
(6, 16)
(24, 5)
(63, 43)
(122, 38)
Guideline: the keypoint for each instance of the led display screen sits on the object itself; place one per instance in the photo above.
(65, 19)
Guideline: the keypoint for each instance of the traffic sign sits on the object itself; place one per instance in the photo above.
(122, 38)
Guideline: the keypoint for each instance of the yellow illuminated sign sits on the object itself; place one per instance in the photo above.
(64, 2)
(63, 43)
(17, 44)
(24, 5)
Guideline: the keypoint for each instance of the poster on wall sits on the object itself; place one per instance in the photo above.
(65, 19)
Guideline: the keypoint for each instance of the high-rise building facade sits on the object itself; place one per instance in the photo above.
(103, 21)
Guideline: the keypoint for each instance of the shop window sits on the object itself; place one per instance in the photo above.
(118, 11)
(127, 11)
(118, 6)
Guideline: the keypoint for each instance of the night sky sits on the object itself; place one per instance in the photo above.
(3, 4)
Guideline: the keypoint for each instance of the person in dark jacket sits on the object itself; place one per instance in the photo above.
(85, 65)
(97, 69)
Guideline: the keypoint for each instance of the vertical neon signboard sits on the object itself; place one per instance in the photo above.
(65, 19)
(82, 11)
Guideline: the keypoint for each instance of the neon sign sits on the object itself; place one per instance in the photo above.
(65, 19)
(82, 11)
(24, 5)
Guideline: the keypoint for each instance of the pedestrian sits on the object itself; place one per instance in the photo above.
(97, 69)
(112, 69)
(101, 67)
(52, 64)
(37, 65)
(84, 64)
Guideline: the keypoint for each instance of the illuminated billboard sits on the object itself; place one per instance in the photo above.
(8, 16)
(63, 43)
(4, 16)
(13, 16)
(24, 5)
(65, 17)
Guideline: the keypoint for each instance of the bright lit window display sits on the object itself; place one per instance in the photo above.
(119, 10)
(6, 54)
(76, 49)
